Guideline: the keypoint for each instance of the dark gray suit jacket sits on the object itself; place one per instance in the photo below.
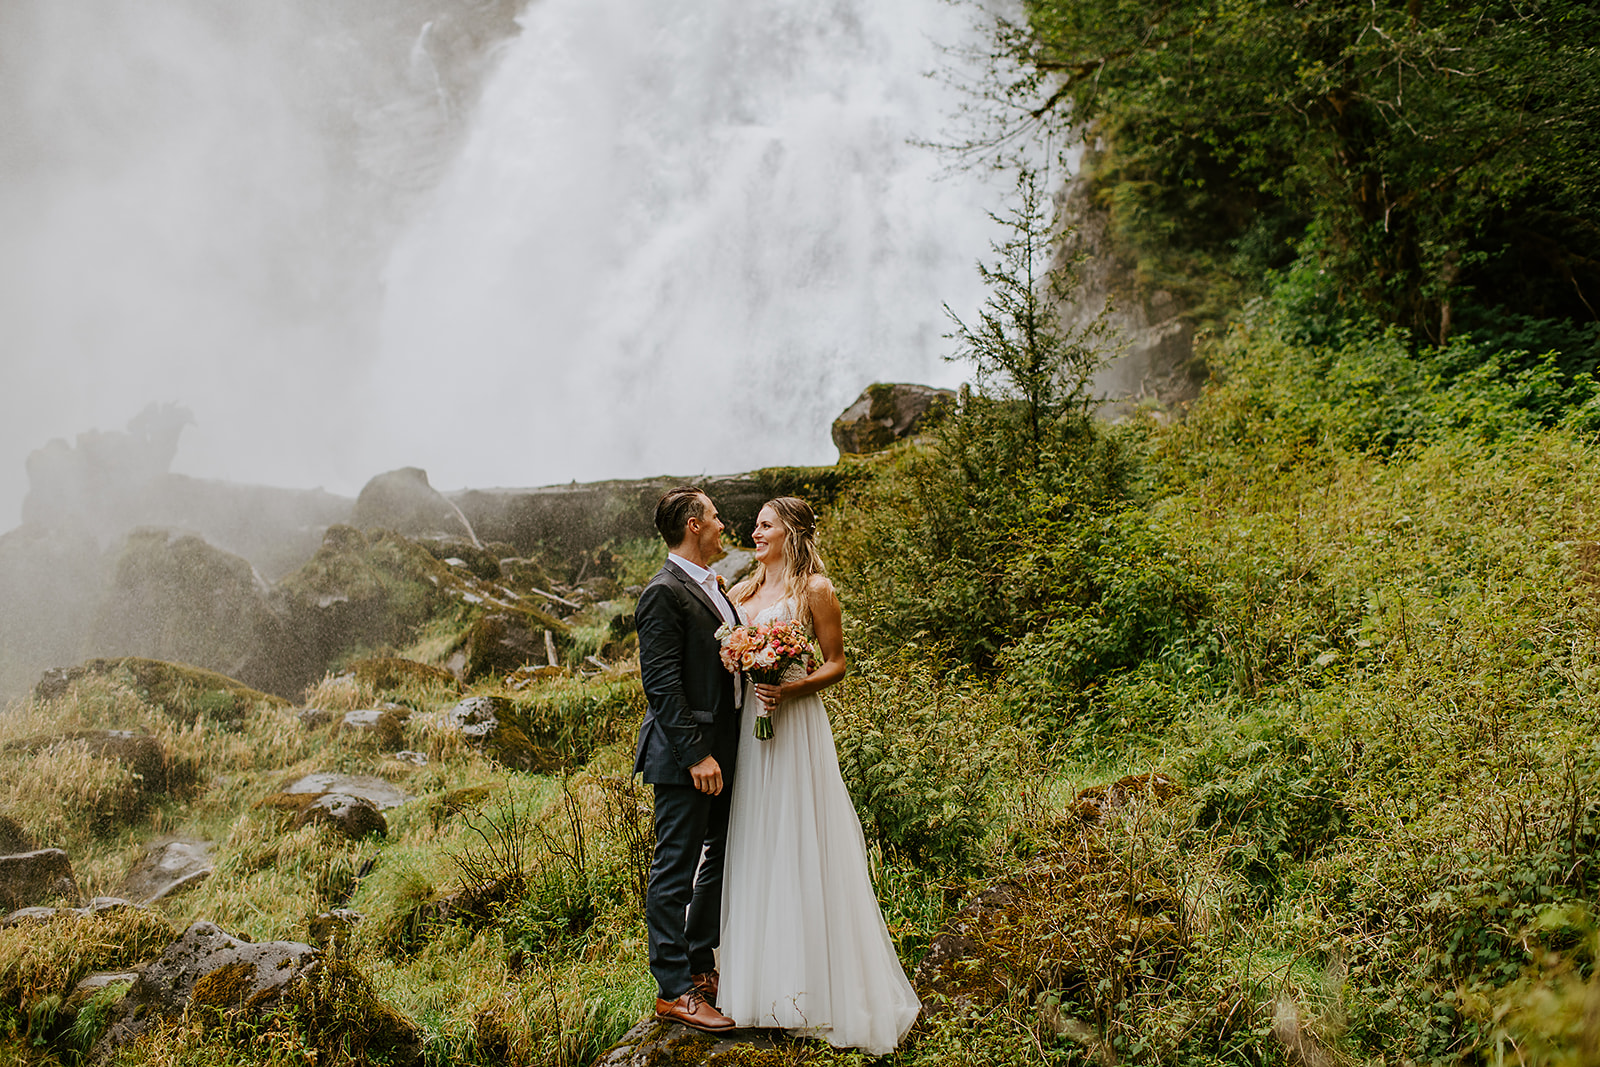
(690, 694)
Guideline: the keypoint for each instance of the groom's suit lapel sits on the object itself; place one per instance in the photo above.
(695, 589)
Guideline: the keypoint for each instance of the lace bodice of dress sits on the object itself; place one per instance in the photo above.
(773, 612)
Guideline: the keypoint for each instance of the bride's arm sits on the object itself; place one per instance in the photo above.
(827, 624)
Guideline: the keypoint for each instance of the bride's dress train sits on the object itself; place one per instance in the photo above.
(804, 945)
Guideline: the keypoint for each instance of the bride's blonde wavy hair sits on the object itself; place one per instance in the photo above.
(800, 557)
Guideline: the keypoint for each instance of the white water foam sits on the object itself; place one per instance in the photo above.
(680, 237)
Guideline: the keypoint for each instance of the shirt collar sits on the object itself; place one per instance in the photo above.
(697, 574)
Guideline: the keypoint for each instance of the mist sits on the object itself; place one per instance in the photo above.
(509, 246)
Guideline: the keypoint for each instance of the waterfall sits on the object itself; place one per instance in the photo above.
(679, 237)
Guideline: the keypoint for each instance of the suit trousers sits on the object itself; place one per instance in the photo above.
(683, 908)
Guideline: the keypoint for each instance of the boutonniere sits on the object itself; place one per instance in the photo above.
(722, 583)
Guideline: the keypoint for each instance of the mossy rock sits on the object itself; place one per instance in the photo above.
(46, 958)
(364, 589)
(573, 719)
(655, 1043)
(355, 817)
(510, 747)
(253, 976)
(502, 641)
(1066, 924)
(13, 837)
(393, 672)
(185, 693)
(479, 562)
(334, 1005)
(179, 599)
(228, 987)
(459, 801)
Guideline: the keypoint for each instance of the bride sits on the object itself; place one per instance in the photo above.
(804, 945)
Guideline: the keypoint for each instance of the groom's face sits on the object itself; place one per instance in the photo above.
(706, 531)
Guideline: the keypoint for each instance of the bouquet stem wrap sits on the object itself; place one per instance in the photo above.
(763, 730)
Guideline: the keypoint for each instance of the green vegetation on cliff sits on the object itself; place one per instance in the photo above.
(1431, 161)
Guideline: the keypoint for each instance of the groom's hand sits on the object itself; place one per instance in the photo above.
(707, 776)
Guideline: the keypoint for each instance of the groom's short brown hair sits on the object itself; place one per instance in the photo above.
(675, 509)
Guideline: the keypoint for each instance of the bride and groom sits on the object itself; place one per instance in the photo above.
(758, 847)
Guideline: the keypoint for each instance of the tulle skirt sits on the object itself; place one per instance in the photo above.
(804, 945)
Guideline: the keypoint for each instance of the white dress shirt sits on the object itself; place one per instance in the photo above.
(707, 580)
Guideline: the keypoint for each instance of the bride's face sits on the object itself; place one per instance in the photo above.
(769, 536)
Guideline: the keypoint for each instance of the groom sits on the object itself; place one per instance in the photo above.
(687, 746)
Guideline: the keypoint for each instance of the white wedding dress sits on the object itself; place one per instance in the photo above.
(804, 945)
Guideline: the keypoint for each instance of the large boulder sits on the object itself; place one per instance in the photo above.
(33, 878)
(886, 413)
(213, 970)
(403, 501)
(358, 590)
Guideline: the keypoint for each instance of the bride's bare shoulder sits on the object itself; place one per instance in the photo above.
(820, 585)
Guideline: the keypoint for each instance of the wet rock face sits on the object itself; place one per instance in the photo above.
(178, 598)
(33, 878)
(1155, 364)
(403, 501)
(886, 413)
(212, 969)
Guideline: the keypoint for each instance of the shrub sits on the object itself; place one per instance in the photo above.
(922, 756)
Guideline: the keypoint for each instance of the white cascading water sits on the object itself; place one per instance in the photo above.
(680, 237)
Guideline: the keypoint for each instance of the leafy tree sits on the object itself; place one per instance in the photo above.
(1019, 347)
(1418, 152)
(1017, 519)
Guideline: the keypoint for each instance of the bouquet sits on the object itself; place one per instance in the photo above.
(764, 652)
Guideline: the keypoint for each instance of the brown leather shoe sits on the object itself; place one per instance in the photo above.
(706, 985)
(692, 1011)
